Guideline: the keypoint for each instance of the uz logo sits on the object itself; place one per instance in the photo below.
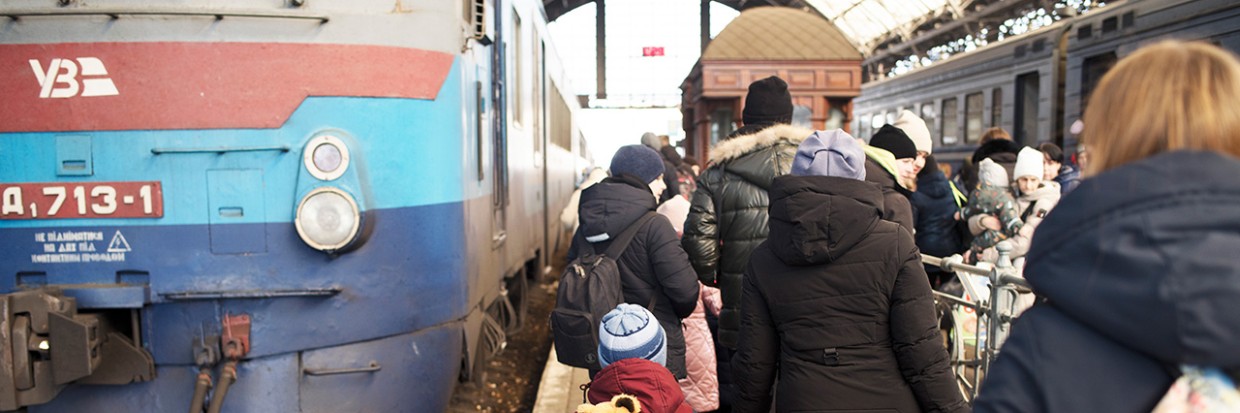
(60, 80)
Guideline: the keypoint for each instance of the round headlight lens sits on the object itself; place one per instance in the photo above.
(326, 157)
(327, 219)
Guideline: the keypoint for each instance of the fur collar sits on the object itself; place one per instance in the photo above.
(735, 147)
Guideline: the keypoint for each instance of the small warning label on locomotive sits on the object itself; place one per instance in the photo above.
(73, 247)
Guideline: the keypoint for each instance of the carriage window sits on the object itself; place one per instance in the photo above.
(973, 117)
(1091, 72)
(949, 123)
(927, 114)
(996, 108)
(720, 125)
(1027, 90)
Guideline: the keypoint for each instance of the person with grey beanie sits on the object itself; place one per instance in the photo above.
(836, 303)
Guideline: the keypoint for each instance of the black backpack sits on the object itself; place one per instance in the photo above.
(589, 288)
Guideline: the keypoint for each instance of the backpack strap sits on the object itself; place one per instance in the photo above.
(622, 241)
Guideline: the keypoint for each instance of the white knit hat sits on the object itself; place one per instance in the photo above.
(1028, 163)
(916, 129)
(991, 173)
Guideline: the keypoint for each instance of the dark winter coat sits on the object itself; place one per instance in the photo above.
(936, 208)
(1069, 177)
(1138, 270)
(837, 304)
(652, 266)
(728, 217)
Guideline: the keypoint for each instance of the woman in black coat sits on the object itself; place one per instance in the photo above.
(1136, 268)
(653, 269)
(836, 302)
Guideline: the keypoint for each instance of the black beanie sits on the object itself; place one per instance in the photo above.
(895, 141)
(768, 101)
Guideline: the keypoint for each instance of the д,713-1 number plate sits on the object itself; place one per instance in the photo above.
(52, 200)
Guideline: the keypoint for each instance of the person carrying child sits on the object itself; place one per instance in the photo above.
(991, 211)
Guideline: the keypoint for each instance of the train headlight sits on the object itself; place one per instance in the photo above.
(327, 219)
(326, 157)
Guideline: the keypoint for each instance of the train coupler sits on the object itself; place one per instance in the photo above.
(47, 344)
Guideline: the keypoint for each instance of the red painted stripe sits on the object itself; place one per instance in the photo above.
(206, 85)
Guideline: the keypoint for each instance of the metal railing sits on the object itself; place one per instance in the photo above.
(995, 310)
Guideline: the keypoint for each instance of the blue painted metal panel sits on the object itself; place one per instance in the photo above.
(414, 259)
(233, 198)
(412, 368)
(267, 385)
(406, 152)
(73, 155)
(95, 297)
(418, 372)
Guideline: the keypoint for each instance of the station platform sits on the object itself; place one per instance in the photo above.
(559, 391)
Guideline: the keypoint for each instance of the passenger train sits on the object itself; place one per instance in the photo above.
(1037, 85)
(272, 205)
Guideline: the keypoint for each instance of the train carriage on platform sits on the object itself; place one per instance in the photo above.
(1037, 84)
(341, 202)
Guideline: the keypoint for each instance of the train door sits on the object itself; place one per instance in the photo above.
(543, 128)
(1028, 87)
(499, 154)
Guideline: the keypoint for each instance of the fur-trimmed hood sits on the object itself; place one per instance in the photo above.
(743, 144)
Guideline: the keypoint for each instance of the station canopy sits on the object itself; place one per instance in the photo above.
(868, 24)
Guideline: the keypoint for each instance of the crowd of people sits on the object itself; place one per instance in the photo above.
(785, 273)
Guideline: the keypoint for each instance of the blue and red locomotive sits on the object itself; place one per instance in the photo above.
(276, 206)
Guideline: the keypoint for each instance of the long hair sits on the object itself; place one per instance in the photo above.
(1169, 96)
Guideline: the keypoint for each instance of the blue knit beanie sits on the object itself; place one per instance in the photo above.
(639, 161)
(631, 331)
(830, 153)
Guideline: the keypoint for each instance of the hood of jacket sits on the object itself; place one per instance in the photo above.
(1145, 254)
(934, 185)
(816, 219)
(780, 140)
(609, 206)
(651, 383)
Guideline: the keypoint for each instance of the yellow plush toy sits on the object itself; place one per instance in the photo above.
(622, 403)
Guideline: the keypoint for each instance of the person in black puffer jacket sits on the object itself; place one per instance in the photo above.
(936, 206)
(836, 303)
(727, 219)
(653, 267)
(1136, 268)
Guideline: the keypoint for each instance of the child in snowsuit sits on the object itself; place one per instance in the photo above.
(992, 198)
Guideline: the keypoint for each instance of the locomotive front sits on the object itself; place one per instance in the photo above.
(214, 194)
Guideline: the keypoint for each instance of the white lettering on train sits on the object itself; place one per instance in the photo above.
(65, 72)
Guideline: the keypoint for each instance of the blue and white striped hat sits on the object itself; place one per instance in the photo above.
(631, 331)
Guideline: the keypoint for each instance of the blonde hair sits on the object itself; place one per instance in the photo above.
(1169, 96)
